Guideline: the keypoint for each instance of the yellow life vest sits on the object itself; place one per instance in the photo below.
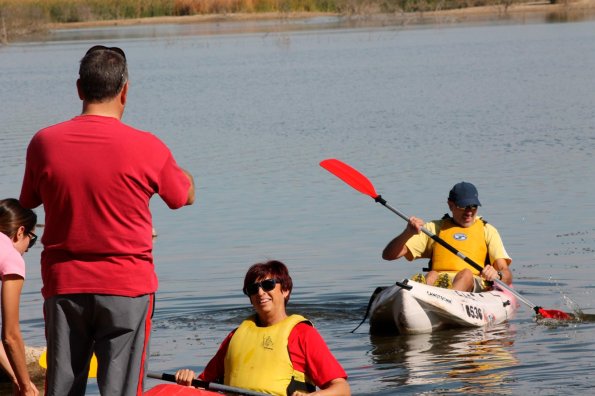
(470, 241)
(258, 358)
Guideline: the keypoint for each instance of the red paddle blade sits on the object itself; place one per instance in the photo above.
(553, 314)
(350, 176)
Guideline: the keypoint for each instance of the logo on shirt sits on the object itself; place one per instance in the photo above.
(460, 237)
(267, 342)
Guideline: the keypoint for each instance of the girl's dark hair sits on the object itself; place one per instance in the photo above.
(13, 215)
(272, 269)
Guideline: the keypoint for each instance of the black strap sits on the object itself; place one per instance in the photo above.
(296, 385)
(372, 297)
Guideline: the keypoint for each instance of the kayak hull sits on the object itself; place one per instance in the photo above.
(410, 307)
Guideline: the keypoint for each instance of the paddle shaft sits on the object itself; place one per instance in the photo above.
(208, 385)
(442, 242)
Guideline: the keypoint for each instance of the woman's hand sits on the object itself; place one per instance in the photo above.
(185, 377)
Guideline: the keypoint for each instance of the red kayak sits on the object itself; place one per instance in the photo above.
(178, 390)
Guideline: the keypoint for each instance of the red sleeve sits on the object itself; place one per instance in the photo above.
(173, 184)
(310, 354)
(215, 369)
(29, 197)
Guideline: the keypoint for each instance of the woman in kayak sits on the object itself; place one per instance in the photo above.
(17, 225)
(273, 352)
(466, 232)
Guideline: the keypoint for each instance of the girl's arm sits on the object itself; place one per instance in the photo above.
(11, 333)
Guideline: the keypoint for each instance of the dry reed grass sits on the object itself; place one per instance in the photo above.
(27, 17)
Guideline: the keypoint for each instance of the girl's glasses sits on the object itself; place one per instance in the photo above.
(32, 239)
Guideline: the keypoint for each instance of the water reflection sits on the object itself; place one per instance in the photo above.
(568, 15)
(473, 361)
(508, 106)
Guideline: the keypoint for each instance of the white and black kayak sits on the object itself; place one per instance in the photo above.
(410, 307)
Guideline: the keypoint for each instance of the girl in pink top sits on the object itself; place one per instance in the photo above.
(16, 237)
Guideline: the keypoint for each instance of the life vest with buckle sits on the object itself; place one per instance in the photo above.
(468, 240)
(258, 358)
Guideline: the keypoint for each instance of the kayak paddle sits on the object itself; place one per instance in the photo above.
(208, 385)
(361, 183)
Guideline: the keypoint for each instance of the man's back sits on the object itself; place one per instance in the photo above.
(95, 177)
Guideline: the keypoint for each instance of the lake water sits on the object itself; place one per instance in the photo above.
(509, 107)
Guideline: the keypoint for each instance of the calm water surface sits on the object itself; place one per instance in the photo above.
(509, 108)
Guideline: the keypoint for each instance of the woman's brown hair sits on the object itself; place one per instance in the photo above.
(275, 269)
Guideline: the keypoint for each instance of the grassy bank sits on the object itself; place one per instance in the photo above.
(24, 17)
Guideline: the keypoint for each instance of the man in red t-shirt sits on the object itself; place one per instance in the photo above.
(95, 176)
(273, 352)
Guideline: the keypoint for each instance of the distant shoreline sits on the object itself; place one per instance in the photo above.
(238, 23)
(573, 10)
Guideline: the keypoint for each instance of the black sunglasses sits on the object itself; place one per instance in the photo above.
(104, 48)
(266, 285)
(32, 239)
(468, 207)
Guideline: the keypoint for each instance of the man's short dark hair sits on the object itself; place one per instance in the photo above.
(102, 73)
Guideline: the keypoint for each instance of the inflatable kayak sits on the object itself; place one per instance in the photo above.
(410, 307)
(178, 390)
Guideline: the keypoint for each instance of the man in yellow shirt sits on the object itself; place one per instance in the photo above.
(465, 231)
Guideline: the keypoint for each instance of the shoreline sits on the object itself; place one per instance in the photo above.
(571, 10)
(541, 11)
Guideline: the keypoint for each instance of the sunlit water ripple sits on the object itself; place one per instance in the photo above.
(508, 107)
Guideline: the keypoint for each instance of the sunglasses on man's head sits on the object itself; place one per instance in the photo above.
(266, 285)
(104, 48)
(32, 239)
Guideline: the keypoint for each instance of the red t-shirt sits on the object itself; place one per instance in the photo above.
(95, 176)
(308, 352)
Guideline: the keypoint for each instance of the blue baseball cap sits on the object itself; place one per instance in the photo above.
(464, 194)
